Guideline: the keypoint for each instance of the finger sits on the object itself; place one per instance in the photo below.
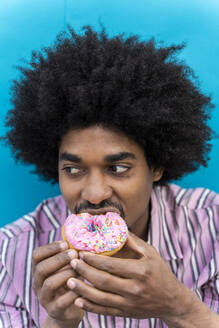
(50, 265)
(53, 283)
(95, 308)
(46, 251)
(66, 300)
(61, 303)
(94, 295)
(100, 279)
(125, 268)
(67, 266)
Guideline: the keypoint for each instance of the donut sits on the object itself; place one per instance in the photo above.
(103, 234)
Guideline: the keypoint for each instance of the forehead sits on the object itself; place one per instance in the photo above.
(98, 139)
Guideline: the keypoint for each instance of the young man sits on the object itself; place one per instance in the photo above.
(113, 120)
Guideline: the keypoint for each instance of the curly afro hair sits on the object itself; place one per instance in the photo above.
(136, 87)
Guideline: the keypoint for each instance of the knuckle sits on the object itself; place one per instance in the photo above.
(35, 255)
(104, 281)
(45, 251)
(144, 272)
(59, 305)
(104, 300)
(89, 306)
(136, 289)
(105, 311)
(141, 249)
(42, 301)
(39, 270)
(108, 266)
(51, 310)
(48, 284)
(62, 257)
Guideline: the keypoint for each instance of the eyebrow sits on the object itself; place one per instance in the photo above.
(70, 157)
(108, 158)
(119, 157)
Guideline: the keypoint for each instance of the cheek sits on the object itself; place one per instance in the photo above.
(69, 191)
(141, 187)
(138, 196)
(63, 185)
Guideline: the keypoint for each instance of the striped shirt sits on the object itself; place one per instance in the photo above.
(184, 229)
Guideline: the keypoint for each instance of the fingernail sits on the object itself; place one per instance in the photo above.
(73, 264)
(82, 254)
(71, 284)
(72, 254)
(63, 245)
(79, 303)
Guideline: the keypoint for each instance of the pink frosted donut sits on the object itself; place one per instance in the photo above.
(102, 234)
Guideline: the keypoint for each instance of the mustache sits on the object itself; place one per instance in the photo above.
(86, 206)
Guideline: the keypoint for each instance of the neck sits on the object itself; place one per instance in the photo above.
(142, 225)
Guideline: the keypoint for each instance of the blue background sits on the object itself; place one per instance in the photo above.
(28, 25)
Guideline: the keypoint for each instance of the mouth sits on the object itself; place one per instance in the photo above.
(100, 211)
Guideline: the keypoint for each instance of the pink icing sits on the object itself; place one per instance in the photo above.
(96, 233)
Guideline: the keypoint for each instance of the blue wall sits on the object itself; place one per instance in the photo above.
(26, 25)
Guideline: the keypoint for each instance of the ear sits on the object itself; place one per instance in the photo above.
(157, 174)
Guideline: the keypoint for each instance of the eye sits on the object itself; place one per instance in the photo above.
(71, 170)
(118, 169)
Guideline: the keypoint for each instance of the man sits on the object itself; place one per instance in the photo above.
(113, 120)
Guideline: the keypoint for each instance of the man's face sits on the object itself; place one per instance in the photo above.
(101, 170)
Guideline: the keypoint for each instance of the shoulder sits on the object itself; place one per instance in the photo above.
(192, 215)
(189, 226)
(40, 227)
(193, 208)
(192, 198)
(17, 243)
(49, 214)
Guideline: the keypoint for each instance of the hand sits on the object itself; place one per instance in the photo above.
(51, 270)
(140, 288)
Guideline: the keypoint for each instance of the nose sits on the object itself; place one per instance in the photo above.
(96, 188)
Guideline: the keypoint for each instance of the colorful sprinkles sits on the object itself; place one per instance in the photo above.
(96, 233)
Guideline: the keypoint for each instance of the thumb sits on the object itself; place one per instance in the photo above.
(136, 244)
